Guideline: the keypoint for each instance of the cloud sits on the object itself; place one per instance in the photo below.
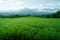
(19, 4)
(11, 5)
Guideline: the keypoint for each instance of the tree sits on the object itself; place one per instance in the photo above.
(56, 15)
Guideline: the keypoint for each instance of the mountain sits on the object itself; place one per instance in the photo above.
(26, 11)
(32, 12)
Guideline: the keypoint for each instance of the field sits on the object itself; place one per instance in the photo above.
(29, 28)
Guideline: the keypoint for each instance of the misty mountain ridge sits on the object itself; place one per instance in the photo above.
(26, 11)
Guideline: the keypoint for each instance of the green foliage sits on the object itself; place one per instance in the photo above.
(29, 28)
(54, 15)
(17, 15)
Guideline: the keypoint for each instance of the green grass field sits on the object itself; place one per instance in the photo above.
(29, 28)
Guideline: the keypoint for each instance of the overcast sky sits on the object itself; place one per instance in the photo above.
(20, 4)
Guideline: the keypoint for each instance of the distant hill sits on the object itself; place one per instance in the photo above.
(32, 12)
(26, 11)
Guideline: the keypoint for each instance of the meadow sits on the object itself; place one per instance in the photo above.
(29, 28)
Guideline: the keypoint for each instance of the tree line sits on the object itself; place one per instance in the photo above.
(53, 15)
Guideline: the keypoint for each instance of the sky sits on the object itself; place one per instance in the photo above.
(32, 4)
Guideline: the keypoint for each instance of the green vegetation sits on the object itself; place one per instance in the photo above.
(54, 15)
(29, 28)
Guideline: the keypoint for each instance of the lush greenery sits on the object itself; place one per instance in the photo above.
(54, 15)
(29, 28)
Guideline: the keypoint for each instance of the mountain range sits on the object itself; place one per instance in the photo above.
(27, 11)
